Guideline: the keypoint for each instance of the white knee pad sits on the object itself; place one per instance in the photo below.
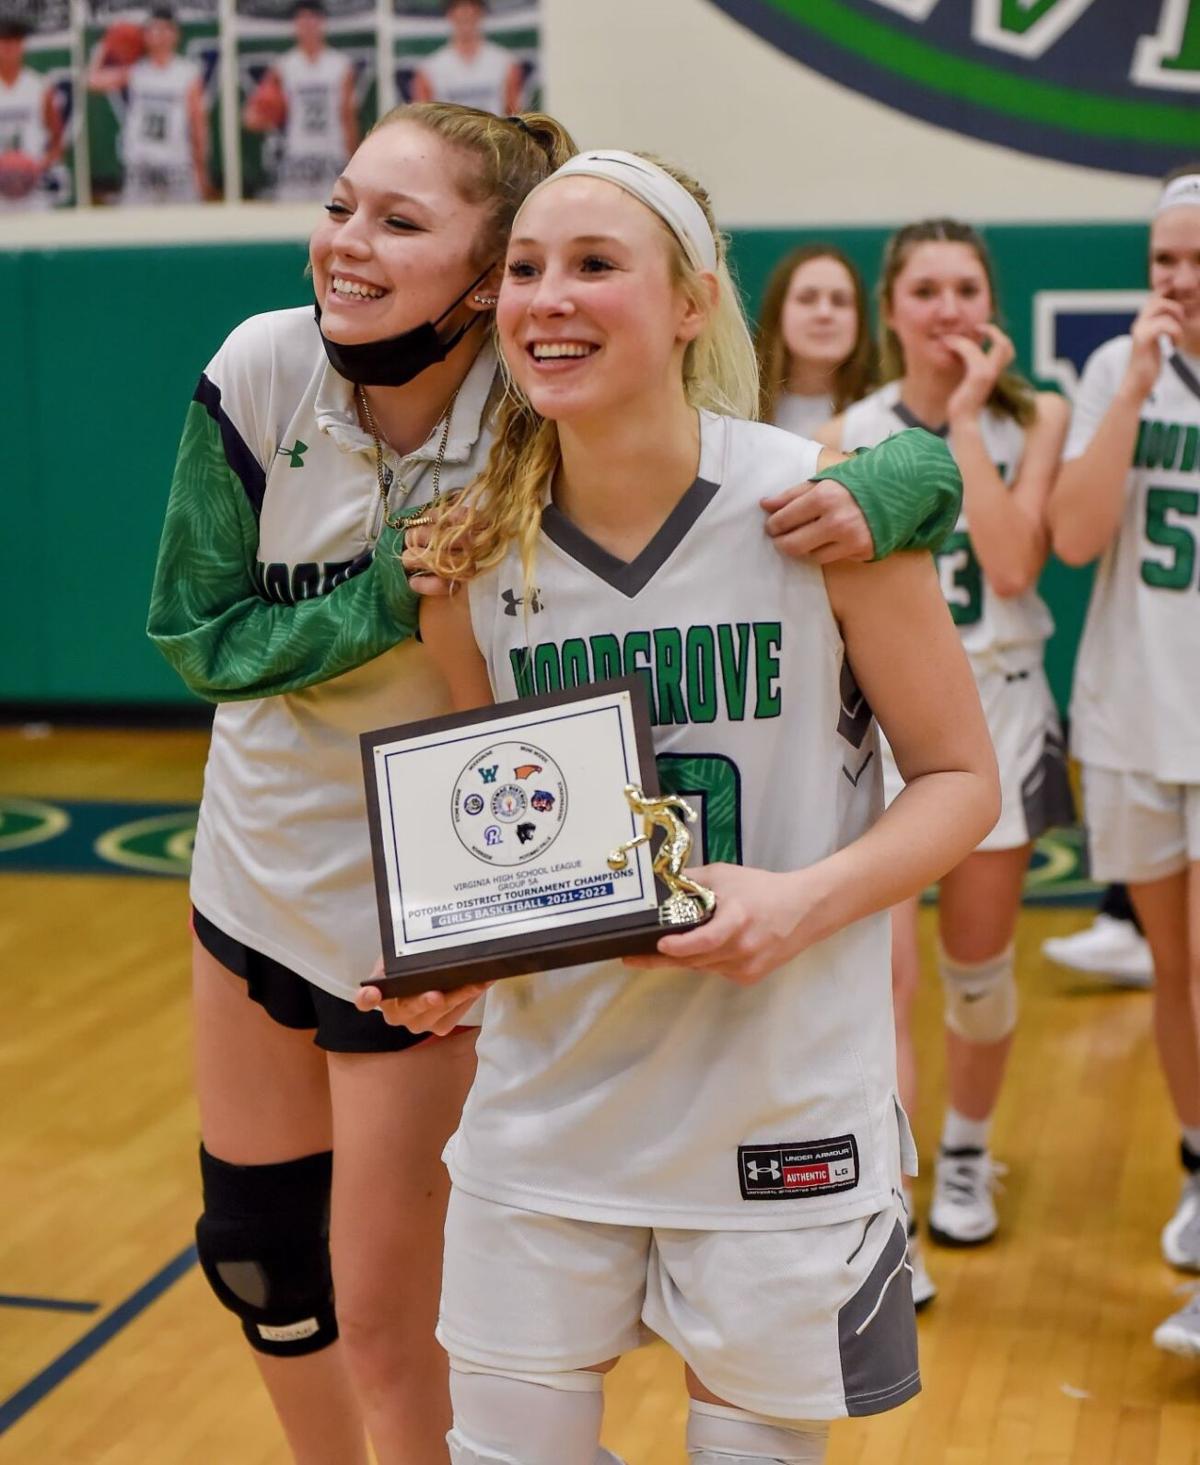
(981, 997)
(526, 1419)
(719, 1435)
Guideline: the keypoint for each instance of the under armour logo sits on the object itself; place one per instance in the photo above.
(511, 602)
(769, 1171)
(294, 454)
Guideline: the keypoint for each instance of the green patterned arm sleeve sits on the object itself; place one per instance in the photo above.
(908, 488)
(206, 616)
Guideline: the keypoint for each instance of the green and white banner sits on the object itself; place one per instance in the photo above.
(1111, 84)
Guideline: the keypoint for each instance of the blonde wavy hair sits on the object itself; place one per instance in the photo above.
(504, 504)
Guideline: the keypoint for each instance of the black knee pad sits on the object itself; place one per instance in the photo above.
(263, 1243)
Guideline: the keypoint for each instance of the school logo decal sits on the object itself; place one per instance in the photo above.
(1068, 325)
(522, 825)
(28, 821)
(1102, 83)
(158, 845)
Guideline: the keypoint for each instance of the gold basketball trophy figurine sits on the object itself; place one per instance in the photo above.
(689, 902)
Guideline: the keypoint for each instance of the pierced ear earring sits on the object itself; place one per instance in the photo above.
(484, 299)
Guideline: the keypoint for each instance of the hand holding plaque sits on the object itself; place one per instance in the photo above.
(507, 840)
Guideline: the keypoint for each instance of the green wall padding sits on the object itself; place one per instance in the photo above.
(110, 344)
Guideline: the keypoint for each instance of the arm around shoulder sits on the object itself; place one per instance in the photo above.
(208, 614)
(908, 488)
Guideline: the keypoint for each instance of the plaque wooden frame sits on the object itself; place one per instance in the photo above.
(618, 934)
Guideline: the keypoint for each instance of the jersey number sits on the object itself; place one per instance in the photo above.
(714, 783)
(154, 126)
(962, 579)
(1180, 539)
(315, 112)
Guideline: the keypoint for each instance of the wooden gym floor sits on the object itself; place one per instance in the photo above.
(1036, 1352)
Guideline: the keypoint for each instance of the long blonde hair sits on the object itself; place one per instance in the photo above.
(855, 377)
(1012, 395)
(504, 504)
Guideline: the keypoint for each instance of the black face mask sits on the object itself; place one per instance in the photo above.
(397, 359)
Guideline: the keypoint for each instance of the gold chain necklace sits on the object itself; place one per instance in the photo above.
(384, 476)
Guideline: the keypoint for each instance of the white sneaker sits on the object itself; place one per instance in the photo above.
(963, 1212)
(924, 1289)
(1180, 1333)
(1181, 1234)
(1107, 948)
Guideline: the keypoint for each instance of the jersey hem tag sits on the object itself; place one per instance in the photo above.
(793, 1171)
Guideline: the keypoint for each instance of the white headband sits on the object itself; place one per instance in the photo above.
(656, 189)
(1179, 190)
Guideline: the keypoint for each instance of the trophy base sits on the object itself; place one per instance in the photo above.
(681, 910)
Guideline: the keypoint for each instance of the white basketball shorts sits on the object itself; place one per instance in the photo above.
(815, 1323)
(1138, 828)
(1035, 792)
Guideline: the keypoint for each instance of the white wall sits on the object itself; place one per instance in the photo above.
(774, 142)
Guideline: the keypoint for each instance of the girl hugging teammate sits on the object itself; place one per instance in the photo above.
(618, 1159)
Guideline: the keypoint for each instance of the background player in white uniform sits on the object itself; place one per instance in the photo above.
(605, 1170)
(937, 304)
(31, 125)
(1130, 493)
(470, 69)
(279, 597)
(164, 132)
(307, 96)
(815, 354)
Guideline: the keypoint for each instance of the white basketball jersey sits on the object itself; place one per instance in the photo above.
(478, 82)
(987, 623)
(22, 114)
(283, 859)
(314, 138)
(1136, 700)
(155, 131)
(674, 1097)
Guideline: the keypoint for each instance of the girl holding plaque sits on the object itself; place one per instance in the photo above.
(280, 597)
(713, 1148)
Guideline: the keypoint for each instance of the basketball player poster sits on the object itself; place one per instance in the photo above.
(307, 84)
(153, 82)
(482, 53)
(37, 101)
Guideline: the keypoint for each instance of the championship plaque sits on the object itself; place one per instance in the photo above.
(520, 837)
